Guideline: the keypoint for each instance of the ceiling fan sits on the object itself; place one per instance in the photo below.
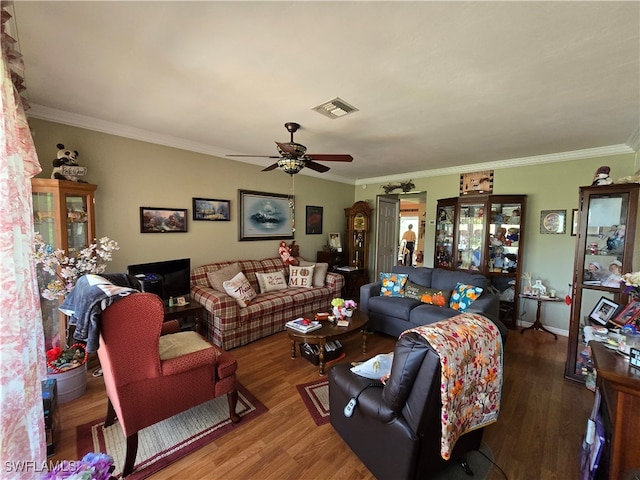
(294, 157)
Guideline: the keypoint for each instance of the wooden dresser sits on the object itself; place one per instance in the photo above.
(620, 388)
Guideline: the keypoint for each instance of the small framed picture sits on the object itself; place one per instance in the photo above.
(630, 314)
(334, 242)
(211, 209)
(604, 311)
(553, 221)
(163, 220)
(314, 220)
(181, 301)
(574, 222)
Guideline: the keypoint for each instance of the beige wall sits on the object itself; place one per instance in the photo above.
(548, 187)
(131, 174)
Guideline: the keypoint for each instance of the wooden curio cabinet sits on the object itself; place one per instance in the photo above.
(605, 247)
(64, 215)
(484, 233)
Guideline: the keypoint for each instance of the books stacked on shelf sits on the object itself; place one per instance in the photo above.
(303, 325)
(332, 351)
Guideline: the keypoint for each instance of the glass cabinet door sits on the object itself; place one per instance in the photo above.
(504, 237)
(77, 222)
(470, 236)
(444, 236)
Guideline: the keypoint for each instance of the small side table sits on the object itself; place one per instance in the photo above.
(537, 325)
(176, 312)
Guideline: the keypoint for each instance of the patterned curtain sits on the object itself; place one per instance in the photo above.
(22, 355)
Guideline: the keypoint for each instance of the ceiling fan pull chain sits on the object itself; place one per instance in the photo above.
(292, 203)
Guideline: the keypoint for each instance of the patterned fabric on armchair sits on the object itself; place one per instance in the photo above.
(149, 377)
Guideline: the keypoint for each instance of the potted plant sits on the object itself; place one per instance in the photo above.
(343, 308)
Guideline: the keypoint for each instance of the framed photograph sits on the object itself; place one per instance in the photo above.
(334, 242)
(604, 311)
(211, 209)
(313, 222)
(629, 314)
(265, 216)
(163, 220)
(553, 221)
(476, 182)
(574, 222)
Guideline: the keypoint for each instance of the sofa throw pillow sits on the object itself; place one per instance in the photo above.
(218, 277)
(271, 281)
(432, 296)
(319, 272)
(393, 284)
(301, 276)
(240, 289)
(463, 296)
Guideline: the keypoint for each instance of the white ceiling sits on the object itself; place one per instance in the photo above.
(438, 85)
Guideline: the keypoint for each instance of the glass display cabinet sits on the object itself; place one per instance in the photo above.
(607, 220)
(484, 233)
(64, 215)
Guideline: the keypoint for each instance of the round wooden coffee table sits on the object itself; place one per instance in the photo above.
(329, 332)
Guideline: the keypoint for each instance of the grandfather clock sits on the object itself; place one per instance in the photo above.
(358, 220)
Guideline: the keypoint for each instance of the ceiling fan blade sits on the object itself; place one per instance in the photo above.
(330, 157)
(255, 156)
(316, 166)
(273, 166)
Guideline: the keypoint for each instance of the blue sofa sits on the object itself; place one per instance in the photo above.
(394, 315)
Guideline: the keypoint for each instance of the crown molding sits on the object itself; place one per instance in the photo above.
(112, 128)
(634, 140)
(509, 163)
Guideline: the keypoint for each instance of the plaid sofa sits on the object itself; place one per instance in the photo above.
(229, 326)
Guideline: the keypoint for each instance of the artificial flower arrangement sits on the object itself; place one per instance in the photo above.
(93, 466)
(67, 270)
(343, 308)
(631, 284)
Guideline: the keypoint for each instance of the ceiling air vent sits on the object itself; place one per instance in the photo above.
(335, 108)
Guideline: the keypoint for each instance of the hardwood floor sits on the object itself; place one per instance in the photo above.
(537, 436)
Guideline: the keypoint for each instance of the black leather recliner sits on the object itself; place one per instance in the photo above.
(396, 430)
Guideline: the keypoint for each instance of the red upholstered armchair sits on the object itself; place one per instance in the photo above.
(149, 377)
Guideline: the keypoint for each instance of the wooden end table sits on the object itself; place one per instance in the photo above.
(193, 308)
(329, 332)
(537, 325)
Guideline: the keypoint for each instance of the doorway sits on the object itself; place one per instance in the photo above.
(393, 214)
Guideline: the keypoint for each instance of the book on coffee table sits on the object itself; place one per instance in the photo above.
(303, 325)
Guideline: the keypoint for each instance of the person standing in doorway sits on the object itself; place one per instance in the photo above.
(410, 238)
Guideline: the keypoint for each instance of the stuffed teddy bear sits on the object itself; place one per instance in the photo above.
(602, 176)
(66, 157)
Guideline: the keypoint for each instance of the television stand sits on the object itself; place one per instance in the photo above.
(183, 313)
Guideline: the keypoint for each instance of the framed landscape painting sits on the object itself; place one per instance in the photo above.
(211, 209)
(265, 216)
(163, 220)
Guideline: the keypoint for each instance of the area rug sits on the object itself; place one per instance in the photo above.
(315, 396)
(167, 441)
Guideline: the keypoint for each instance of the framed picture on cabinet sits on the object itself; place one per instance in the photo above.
(313, 223)
(211, 209)
(163, 220)
(630, 314)
(604, 311)
(476, 182)
(553, 221)
(265, 216)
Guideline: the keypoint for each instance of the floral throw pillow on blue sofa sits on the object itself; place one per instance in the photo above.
(393, 284)
(463, 296)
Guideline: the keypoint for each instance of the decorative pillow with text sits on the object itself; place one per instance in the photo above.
(432, 296)
(240, 289)
(271, 281)
(301, 276)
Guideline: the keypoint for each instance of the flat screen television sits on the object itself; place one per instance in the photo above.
(173, 276)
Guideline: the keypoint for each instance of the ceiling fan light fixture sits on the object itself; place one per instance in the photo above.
(335, 108)
(291, 165)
